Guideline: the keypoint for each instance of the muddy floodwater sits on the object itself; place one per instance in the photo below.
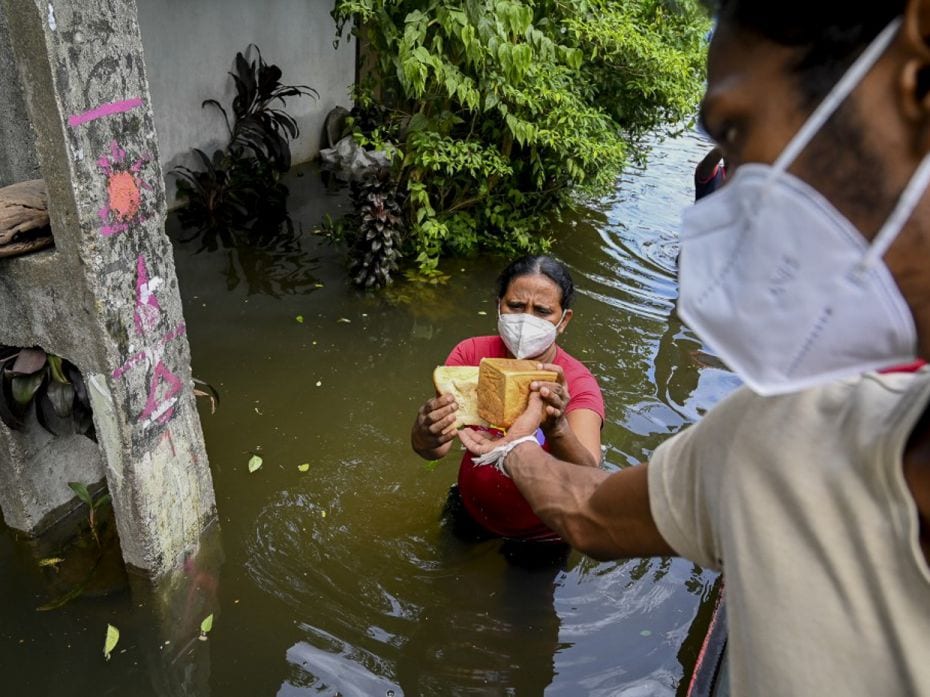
(342, 579)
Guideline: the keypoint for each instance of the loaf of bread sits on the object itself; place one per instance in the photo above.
(461, 381)
(504, 388)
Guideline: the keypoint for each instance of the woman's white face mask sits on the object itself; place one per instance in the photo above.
(778, 282)
(525, 335)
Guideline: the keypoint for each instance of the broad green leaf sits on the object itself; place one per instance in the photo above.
(24, 387)
(102, 501)
(304, 467)
(300, 319)
(254, 463)
(207, 623)
(82, 492)
(110, 642)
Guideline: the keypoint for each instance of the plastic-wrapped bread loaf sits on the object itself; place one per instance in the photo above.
(504, 388)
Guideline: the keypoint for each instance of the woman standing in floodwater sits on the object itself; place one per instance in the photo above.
(534, 297)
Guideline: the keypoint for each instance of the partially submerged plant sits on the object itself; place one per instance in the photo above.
(30, 376)
(93, 503)
(238, 188)
(376, 243)
(205, 389)
(373, 231)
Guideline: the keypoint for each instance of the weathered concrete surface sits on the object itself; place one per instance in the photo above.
(190, 47)
(35, 493)
(17, 139)
(107, 297)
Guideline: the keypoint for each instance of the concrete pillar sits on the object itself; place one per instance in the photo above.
(107, 297)
(17, 139)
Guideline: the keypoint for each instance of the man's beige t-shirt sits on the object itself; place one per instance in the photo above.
(801, 501)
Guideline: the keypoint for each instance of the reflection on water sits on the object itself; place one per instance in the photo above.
(342, 579)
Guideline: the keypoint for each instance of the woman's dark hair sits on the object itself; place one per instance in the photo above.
(547, 266)
(830, 33)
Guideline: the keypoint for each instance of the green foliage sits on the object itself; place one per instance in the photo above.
(30, 376)
(498, 111)
(83, 493)
(237, 189)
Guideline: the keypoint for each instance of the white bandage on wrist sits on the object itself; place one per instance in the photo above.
(496, 457)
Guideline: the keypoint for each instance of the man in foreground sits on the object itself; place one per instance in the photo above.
(810, 270)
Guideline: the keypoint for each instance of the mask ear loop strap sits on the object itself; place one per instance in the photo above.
(909, 200)
(835, 97)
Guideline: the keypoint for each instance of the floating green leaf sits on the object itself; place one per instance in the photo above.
(300, 318)
(255, 462)
(110, 642)
(207, 624)
(304, 467)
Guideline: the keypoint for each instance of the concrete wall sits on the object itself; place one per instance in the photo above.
(190, 47)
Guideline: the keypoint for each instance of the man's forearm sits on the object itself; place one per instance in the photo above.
(604, 515)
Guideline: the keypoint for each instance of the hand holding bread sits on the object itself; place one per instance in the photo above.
(434, 428)
(555, 397)
(496, 392)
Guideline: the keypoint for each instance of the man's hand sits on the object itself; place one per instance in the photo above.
(434, 428)
(481, 442)
(555, 397)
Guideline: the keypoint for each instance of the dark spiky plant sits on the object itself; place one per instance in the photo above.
(261, 129)
(238, 188)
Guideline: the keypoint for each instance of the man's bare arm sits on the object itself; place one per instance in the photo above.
(606, 516)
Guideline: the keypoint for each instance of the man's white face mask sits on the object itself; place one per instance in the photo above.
(781, 284)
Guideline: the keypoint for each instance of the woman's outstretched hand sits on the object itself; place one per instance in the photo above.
(481, 442)
(434, 428)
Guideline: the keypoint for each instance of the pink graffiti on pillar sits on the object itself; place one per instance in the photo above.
(160, 408)
(147, 308)
(99, 112)
(123, 207)
(164, 386)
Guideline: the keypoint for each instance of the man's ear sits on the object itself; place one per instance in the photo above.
(915, 77)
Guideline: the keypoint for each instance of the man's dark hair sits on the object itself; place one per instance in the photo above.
(547, 266)
(829, 33)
